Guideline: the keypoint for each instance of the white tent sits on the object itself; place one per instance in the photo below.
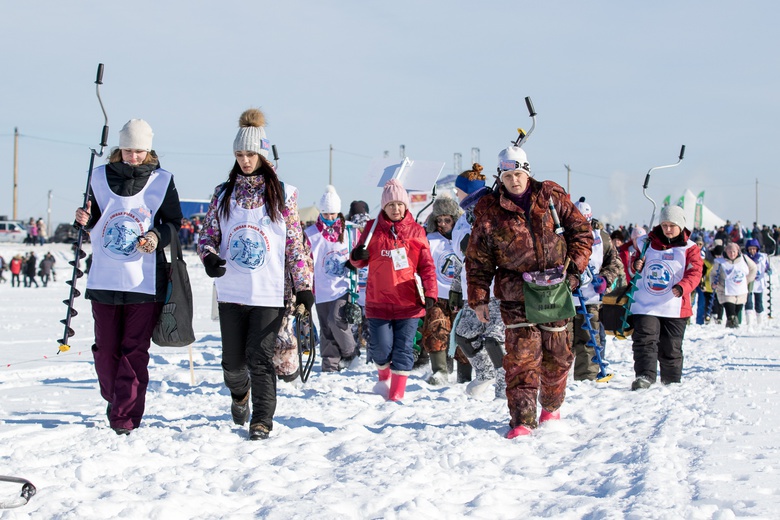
(709, 220)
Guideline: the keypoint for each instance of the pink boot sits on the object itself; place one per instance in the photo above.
(384, 373)
(518, 431)
(397, 387)
(549, 416)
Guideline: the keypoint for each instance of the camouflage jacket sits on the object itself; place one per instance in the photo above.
(505, 242)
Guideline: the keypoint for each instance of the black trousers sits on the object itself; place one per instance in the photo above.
(248, 341)
(658, 342)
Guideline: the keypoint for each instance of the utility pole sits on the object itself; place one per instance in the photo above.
(330, 166)
(568, 179)
(16, 171)
(457, 163)
(757, 221)
(48, 217)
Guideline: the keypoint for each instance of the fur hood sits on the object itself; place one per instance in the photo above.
(442, 206)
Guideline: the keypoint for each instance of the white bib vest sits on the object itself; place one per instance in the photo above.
(662, 271)
(595, 262)
(761, 269)
(116, 263)
(735, 283)
(254, 249)
(459, 232)
(331, 279)
(445, 260)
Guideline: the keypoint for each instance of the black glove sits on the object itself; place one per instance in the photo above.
(213, 265)
(349, 266)
(429, 303)
(305, 298)
(455, 300)
(360, 253)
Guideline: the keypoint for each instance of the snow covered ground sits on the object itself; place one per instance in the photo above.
(707, 448)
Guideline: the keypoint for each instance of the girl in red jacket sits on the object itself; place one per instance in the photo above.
(397, 250)
(671, 270)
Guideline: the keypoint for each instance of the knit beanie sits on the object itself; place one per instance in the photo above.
(513, 158)
(584, 208)
(357, 207)
(674, 214)
(638, 232)
(752, 243)
(394, 191)
(136, 135)
(471, 180)
(251, 133)
(330, 201)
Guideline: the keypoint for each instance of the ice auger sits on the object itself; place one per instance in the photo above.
(306, 334)
(603, 376)
(79, 253)
(28, 490)
(637, 275)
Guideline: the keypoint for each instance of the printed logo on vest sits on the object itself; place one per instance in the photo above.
(333, 263)
(121, 232)
(248, 247)
(445, 271)
(657, 278)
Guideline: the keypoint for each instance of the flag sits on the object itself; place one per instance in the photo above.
(698, 212)
(667, 200)
(681, 202)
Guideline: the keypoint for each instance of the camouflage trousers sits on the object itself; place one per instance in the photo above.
(436, 330)
(537, 363)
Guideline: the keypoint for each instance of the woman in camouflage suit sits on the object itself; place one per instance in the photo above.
(514, 233)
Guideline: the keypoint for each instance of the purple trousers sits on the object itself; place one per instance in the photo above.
(123, 336)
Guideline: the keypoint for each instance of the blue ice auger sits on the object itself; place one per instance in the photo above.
(603, 376)
(637, 276)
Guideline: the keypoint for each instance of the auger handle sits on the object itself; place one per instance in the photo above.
(682, 152)
(276, 153)
(104, 134)
(647, 181)
(531, 111)
(99, 79)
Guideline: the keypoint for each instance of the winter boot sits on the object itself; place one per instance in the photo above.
(397, 387)
(384, 379)
(518, 432)
(732, 322)
(750, 317)
(485, 374)
(640, 383)
(464, 372)
(239, 409)
(440, 374)
(258, 432)
(759, 318)
(549, 416)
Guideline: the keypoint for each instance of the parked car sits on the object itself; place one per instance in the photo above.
(12, 231)
(67, 233)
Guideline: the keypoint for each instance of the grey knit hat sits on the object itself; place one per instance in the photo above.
(251, 133)
(674, 214)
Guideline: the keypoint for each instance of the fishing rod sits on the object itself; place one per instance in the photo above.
(78, 252)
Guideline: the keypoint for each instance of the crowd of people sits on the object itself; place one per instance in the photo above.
(25, 270)
(489, 283)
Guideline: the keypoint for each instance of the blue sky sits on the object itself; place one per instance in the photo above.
(618, 87)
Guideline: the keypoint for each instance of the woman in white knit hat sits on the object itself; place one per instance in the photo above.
(671, 269)
(131, 200)
(335, 281)
(252, 243)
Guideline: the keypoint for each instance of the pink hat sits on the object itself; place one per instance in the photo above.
(637, 232)
(394, 191)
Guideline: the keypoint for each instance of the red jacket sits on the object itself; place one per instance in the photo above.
(392, 294)
(16, 266)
